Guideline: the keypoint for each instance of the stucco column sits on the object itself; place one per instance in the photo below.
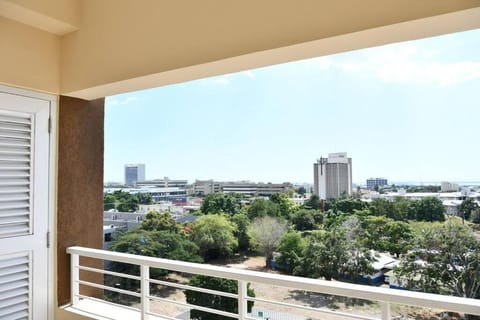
(80, 186)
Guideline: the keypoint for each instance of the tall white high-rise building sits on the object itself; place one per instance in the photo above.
(332, 176)
(134, 173)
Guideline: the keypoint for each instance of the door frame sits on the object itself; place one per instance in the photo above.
(52, 185)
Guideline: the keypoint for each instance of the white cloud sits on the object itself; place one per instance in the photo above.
(350, 66)
(122, 101)
(404, 63)
(323, 62)
(249, 74)
(217, 81)
(128, 100)
(227, 79)
(408, 65)
(441, 74)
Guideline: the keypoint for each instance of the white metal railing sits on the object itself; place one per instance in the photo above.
(384, 296)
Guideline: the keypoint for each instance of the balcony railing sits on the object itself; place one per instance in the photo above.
(384, 296)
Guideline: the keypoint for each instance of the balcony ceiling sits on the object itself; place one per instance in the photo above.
(100, 48)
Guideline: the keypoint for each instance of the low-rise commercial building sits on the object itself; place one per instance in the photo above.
(254, 189)
(380, 182)
(173, 194)
(204, 187)
(449, 187)
(163, 183)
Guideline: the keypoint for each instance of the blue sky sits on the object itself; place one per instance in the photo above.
(408, 112)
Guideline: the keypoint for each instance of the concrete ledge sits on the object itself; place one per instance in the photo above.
(94, 309)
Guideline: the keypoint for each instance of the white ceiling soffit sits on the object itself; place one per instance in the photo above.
(411, 30)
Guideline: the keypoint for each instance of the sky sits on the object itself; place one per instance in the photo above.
(407, 112)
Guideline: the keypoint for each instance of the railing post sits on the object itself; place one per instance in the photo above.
(145, 290)
(386, 314)
(75, 278)
(242, 300)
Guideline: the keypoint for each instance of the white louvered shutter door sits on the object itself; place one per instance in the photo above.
(23, 207)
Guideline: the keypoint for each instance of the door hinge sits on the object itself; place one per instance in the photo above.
(49, 125)
(48, 239)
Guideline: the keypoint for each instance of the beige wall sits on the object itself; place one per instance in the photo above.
(29, 57)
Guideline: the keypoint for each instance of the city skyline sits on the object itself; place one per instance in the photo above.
(405, 111)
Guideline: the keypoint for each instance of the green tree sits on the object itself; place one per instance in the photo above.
(345, 205)
(423, 188)
(318, 217)
(261, 208)
(396, 210)
(291, 247)
(156, 221)
(451, 261)
(214, 301)
(400, 238)
(160, 244)
(303, 220)
(466, 208)
(123, 201)
(109, 202)
(324, 256)
(382, 207)
(334, 219)
(384, 234)
(266, 233)
(475, 216)
(301, 191)
(286, 206)
(144, 198)
(214, 235)
(241, 232)
(335, 254)
(374, 232)
(290, 192)
(313, 202)
(130, 205)
(428, 209)
(402, 207)
(216, 202)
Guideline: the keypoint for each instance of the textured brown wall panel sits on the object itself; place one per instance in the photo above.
(80, 185)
